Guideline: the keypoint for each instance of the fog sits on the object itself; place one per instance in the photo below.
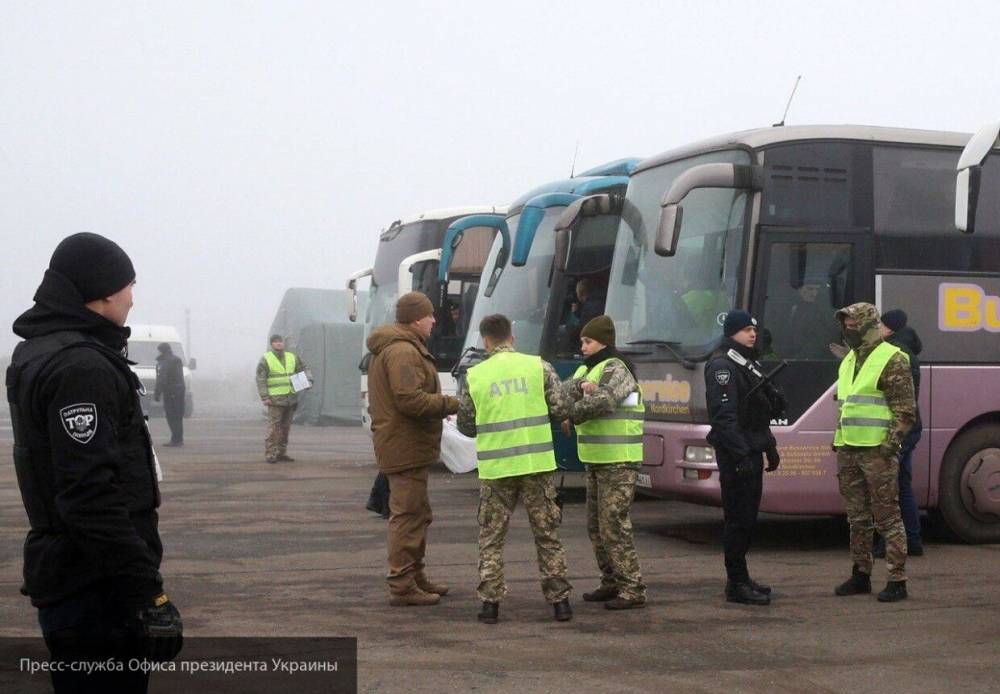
(238, 149)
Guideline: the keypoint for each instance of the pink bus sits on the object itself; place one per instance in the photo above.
(791, 223)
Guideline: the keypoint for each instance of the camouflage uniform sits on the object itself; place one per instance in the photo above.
(498, 498)
(610, 488)
(279, 412)
(869, 476)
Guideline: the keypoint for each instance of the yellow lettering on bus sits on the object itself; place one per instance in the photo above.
(960, 307)
(667, 390)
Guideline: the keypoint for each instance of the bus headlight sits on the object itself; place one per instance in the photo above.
(699, 454)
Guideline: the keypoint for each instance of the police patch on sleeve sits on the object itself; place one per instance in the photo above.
(722, 376)
(80, 421)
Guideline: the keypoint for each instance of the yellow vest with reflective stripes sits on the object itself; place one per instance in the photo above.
(279, 376)
(612, 438)
(865, 416)
(513, 433)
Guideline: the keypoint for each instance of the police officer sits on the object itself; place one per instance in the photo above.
(87, 471)
(274, 386)
(877, 411)
(507, 405)
(170, 386)
(741, 435)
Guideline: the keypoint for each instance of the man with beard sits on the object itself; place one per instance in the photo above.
(741, 436)
(877, 411)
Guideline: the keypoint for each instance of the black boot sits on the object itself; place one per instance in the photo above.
(489, 613)
(760, 587)
(857, 584)
(374, 504)
(894, 592)
(745, 594)
(602, 594)
(562, 611)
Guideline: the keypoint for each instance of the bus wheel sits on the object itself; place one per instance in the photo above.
(969, 494)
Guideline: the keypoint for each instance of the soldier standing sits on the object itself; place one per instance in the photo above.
(170, 386)
(741, 436)
(274, 385)
(608, 412)
(877, 410)
(507, 406)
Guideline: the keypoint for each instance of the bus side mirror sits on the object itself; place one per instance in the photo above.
(352, 292)
(589, 206)
(735, 176)
(968, 180)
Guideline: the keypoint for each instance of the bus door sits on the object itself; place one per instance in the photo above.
(802, 277)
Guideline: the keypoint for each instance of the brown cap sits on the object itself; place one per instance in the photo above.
(412, 307)
(601, 329)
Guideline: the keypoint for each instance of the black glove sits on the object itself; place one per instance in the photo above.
(162, 629)
(746, 467)
(773, 459)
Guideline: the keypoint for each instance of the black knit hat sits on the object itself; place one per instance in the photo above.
(736, 320)
(97, 267)
(895, 319)
(602, 329)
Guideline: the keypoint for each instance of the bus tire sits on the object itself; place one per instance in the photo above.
(969, 491)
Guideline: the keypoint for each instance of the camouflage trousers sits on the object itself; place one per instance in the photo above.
(497, 500)
(869, 484)
(279, 423)
(610, 490)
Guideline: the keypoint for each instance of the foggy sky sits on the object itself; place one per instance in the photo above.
(238, 149)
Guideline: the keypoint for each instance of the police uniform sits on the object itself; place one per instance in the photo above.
(87, 471)
(877, 408)
(740, 435)
(506, 405)
(274, 374)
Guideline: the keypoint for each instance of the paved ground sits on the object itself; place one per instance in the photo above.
(257, 549)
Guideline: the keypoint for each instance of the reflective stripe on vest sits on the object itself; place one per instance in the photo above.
(513, 433)
(615, 437)
(864, 415)
(279, 376)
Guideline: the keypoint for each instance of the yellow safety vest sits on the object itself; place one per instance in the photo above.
(279, 376)
(513, 433)
(612, 438)
(865, 416)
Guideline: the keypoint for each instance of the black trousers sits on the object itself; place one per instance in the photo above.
(91, 626)
(173, 408)
(740, 502)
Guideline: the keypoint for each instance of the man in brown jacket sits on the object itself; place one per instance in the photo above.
(406, 409)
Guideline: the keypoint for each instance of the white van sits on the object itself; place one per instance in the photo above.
(142, 350)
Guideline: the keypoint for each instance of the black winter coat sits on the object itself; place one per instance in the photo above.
(82, 452)
(169, 377)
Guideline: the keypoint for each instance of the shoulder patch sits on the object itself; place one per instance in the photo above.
(722, 376)
(79, 421)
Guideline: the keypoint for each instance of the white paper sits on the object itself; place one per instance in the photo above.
(300, 382)
(632, 400)
(458, 451)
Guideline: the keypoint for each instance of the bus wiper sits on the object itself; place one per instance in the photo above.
(684, 361)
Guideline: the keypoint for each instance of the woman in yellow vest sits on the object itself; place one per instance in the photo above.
(608, 413)
(274, 386)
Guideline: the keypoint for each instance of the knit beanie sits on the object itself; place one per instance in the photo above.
(895, 319)
(602, 329)
(276, 338)
(412, 307)
(96, 266)
(735, 321)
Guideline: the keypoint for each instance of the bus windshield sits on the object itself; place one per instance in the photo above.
(680, 299)
(521, 294)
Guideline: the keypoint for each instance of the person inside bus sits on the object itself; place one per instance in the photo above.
(809, 329)
(896, 332)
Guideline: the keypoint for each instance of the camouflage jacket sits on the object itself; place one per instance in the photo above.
(554, 397)
(896, 381)
(616, 384)
(279, 400)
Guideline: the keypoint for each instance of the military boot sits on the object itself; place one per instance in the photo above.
(602, 594)
(426, 585)
(760, 587)
(894, 592)
(744, 594)
(562, 611)
(857, 584)
(414, 598)
(625, 603)
(489, 613)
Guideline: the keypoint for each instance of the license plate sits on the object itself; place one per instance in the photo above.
(644, 480)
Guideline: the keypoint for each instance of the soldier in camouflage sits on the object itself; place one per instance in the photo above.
(598, 390)
(278, 396)
(502, 406)
(877, 409)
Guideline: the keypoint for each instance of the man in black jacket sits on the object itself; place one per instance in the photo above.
(741, 435)
(87, 471)
(170, 387)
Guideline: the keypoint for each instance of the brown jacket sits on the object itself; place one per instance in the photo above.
(405, 400)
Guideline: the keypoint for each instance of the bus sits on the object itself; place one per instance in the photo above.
(407, 259)
(519, 279)
(791, 223)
